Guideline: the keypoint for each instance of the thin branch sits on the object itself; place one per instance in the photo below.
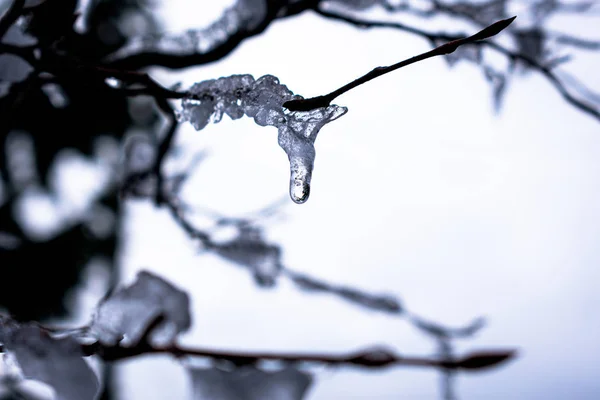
(446, 48)
(546, 71)
(277, 9)
(194, 233)
(164, 147)
(551, 76)
(376, 357)
(377, 302)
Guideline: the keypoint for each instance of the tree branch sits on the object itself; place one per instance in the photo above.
(512, 55)
(376, 357)
(446, 48)
(276, 9)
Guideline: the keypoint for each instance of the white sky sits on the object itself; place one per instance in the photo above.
(421, 191)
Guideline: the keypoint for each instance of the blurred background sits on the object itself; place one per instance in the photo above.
(465, 187)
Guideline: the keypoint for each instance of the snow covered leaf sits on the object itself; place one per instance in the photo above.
(249, 249)
(55, 362)
(249, 383)
(150, 309)
(263, 100)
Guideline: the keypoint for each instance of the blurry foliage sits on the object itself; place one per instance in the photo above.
(80, 112)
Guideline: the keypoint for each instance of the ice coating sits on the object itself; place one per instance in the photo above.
(262, 100)
(149, 309)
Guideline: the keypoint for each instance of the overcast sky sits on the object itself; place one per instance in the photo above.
(420, 190)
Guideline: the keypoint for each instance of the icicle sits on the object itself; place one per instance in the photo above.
(262, 100)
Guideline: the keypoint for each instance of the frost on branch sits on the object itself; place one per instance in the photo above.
(55, 362)
(150, 309)
(262, 100)
(249, 383)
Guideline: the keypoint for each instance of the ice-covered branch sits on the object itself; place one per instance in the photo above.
(245, 19)
(263, 99)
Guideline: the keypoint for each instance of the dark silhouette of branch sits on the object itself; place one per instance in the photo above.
(546, 71)
(446, 48)
(376, 357)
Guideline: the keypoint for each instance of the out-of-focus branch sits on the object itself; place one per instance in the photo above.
(376, 357)
(164, 146)
(376, 302)
(552, 77)
(446, 48)
(546, 71)
(178, 215)
(276, 9)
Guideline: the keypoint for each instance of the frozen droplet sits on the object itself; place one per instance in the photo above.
(262, 99)
(299, 190)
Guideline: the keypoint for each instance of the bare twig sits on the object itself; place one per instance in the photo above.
(546, 71)
(376, 357)
(446, 48)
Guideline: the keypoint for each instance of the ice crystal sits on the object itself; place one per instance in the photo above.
(262, 99)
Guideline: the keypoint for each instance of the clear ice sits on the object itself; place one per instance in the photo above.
(262, 99)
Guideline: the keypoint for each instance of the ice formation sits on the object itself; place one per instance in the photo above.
(262, 100)
(150, 309)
